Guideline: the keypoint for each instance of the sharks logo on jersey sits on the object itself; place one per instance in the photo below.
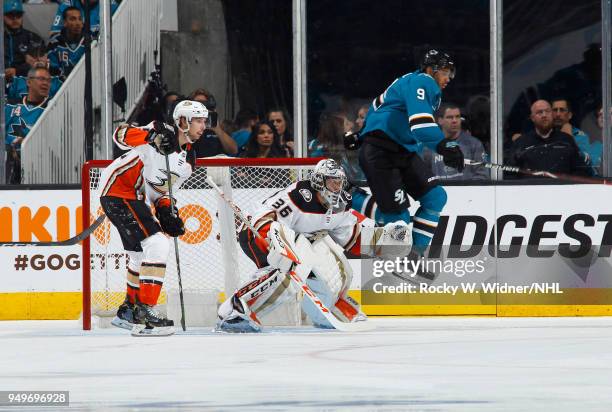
(20, 118)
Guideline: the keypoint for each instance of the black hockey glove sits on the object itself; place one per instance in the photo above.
(451, 153)
(170, 222)
(351, 141)
(164, 138)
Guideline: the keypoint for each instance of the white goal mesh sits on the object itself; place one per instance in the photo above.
(211, 260)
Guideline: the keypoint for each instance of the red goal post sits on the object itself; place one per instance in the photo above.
(211, 259)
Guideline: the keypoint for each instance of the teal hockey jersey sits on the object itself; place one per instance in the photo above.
(405, 112)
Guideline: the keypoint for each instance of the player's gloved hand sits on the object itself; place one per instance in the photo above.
(451, 153)
(351, 141)
(164, 138)
(169, 219)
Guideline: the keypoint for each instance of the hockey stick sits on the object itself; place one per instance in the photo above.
(540, 173)
(337, 324)
(176, 249)
(67, 242)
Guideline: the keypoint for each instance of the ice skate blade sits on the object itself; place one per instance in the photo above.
(123, 324)
(142, 330)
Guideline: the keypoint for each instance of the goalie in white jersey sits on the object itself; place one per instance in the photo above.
(319, 209)
(130, 186)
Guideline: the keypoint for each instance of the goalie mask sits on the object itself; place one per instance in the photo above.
(189, 109)
(329, 179)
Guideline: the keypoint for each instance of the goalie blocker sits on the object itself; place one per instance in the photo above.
(310, 223)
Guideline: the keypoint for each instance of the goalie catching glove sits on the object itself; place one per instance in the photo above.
(168, 218)
(451, 153)
(164, 138)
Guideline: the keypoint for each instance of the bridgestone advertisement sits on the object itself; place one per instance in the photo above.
(506, 245)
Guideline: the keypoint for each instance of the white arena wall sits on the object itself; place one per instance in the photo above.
(50, 286)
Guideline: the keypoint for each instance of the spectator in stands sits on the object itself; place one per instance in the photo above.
(330, 143)
(18, 87)
(361, 115)
(596, 146)
(281, 120)
(18, 42)
(229, 127)
(450, 121)
(245, 120)
(264, 142)
(329, 140)
(66, 49)
(546, 148)
(169, 101)
(562, 114)
(94, 15)
(21, 115)
(214, 141)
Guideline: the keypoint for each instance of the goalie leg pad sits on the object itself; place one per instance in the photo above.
(319, 287)
(268, 290)
(348, 310)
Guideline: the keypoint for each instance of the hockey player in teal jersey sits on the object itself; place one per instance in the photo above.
(399, 124)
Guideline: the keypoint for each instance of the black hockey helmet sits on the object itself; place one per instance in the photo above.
(438, 60)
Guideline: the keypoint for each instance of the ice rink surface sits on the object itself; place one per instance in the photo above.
(407, 364)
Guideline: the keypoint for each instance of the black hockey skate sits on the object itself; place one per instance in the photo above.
(125, 315)
(149, 322)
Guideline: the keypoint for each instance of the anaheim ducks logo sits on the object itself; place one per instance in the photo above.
(161, 186)
(306, 194)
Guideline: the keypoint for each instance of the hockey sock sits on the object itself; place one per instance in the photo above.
(427, 217)
(382, 218)
(133, 285)
(151, 282)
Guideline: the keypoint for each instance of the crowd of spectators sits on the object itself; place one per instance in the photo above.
(34, 70)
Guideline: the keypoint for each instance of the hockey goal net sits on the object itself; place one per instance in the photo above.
(211, 261)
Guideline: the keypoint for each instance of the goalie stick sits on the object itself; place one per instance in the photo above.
(335, 322)
(68, 242)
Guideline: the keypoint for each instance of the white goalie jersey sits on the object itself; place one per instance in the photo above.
(298, 208)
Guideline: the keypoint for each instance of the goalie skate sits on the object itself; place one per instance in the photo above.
(237, 321)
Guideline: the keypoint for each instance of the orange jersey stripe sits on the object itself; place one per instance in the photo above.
(125, 181)
(128, 137)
